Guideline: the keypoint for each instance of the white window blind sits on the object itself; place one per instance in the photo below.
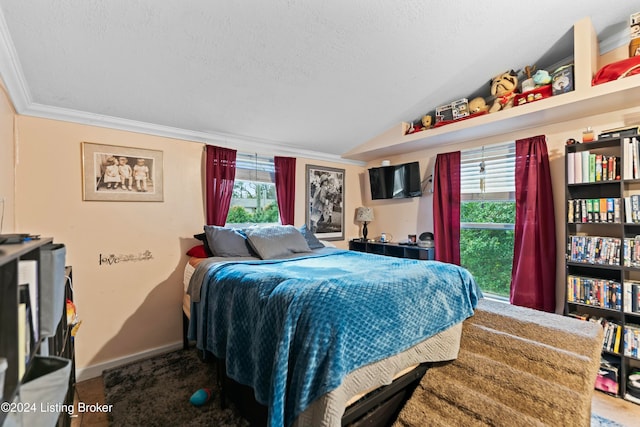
(499, 171)
(251, 167)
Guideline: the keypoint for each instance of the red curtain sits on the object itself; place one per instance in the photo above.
(446, 207)
(533, 278)
(285, 187)
(220, 174)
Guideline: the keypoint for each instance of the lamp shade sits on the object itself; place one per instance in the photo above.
(364, 214)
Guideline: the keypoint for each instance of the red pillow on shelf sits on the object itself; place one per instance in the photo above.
(198, 252)
(617, 70)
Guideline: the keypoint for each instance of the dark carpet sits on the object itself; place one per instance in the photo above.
(156, 392)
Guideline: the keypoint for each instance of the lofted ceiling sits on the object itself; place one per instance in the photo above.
(312, 77)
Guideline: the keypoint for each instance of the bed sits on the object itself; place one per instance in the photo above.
(312, 330)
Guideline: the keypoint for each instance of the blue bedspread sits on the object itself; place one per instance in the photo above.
(292, 329)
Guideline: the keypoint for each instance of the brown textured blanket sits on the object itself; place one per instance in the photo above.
(516, 366)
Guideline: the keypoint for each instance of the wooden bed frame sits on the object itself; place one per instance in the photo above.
(376, 409)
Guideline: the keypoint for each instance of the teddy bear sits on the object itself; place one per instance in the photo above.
(478, 105)
(503, 87)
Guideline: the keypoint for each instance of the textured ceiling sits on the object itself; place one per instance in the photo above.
(322, 76)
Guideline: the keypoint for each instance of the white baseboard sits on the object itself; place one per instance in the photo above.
(92, 371)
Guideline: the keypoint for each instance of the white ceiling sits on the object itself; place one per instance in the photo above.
(315, 77)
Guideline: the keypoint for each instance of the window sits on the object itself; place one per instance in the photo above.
(487, 215)
(254, 192)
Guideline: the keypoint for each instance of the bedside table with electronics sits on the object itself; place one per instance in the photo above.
(397, 250)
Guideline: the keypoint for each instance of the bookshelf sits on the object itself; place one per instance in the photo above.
(13, 323)
(603, 254)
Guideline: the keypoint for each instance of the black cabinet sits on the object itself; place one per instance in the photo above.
(602, 258)
(393, 249)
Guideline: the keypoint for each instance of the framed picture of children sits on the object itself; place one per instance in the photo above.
(325, 202)
(121, 174)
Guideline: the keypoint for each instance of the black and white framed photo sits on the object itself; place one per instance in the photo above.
(121, 174)
(325, 202)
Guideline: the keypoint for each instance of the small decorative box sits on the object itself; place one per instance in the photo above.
(562, 80)
(444, 113)
(460, 108)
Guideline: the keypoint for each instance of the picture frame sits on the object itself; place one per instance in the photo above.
(121, 174)
(324, 193)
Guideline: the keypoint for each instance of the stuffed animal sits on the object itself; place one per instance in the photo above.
(427, 121)
(541, 78)
(478, 105)
(503, 87)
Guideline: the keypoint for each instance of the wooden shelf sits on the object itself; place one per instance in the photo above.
(584, 101)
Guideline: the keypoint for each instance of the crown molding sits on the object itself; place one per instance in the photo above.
(18, 90)
(240, 143)
(11, 70)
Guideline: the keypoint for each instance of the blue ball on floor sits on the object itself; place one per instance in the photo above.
(200, 397)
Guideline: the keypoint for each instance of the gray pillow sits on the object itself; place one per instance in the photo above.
(226, 242)
(276, 241)
(311, 238)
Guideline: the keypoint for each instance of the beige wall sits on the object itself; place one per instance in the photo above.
(133, 307)
(7, 182)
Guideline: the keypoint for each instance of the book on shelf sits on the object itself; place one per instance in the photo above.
(595, 250)
(26, 337)
(605, 293)
(631, 339)
(28, 275)
(612, 331)
(603, 210)
(630, 147)
(631, 296)
(585, 166)
(631, 251)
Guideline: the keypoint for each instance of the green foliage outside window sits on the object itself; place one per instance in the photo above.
(253, 202)
(488, 253)
(240, 215)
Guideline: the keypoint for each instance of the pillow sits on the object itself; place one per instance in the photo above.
(276, 241)
(311, 239)
(327, 244)
(203, 238)
(226, 242)
(198, 251)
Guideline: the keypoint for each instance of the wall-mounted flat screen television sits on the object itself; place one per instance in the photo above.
(395, 182)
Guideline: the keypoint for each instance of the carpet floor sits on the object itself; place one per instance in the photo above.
(156, 392)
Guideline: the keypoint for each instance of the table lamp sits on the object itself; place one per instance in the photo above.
(364, 215)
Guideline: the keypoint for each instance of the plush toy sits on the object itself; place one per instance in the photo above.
(478, 105)
(503, 87)
(427, 121)
(541, 78)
